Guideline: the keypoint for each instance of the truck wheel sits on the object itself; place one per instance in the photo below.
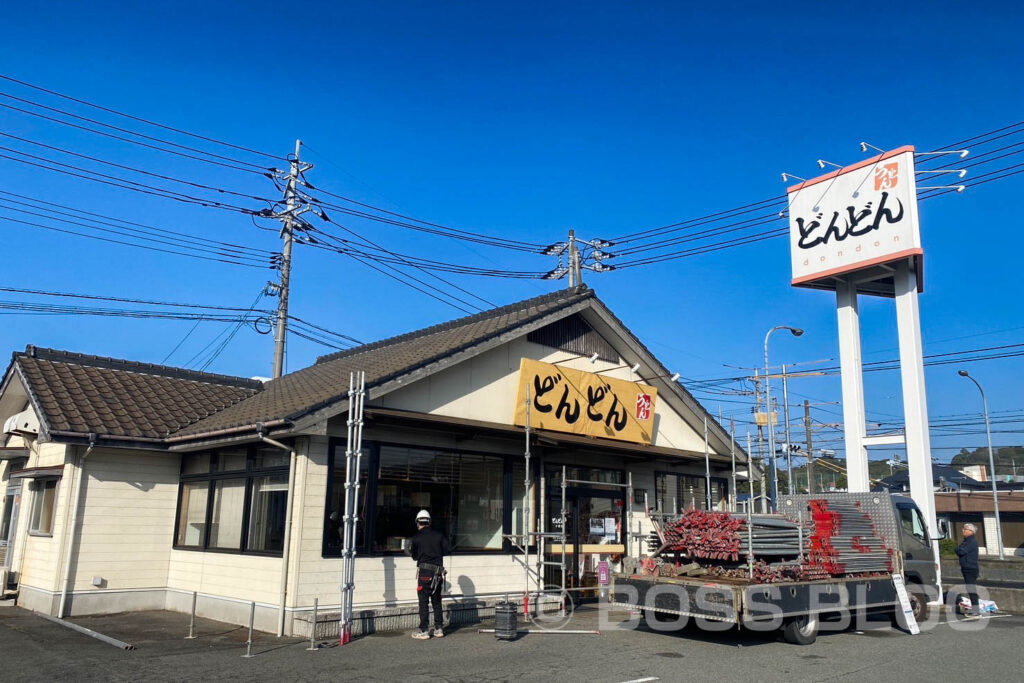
(802, 630)
(918, 605)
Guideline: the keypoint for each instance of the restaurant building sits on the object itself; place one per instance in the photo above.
(131, 486)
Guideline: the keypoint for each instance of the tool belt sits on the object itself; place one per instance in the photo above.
(437, 570)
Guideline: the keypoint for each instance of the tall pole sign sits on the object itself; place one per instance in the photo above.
(855, 231)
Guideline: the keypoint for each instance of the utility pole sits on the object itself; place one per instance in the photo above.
(789, 446)
(574, 265)
(810, 447)
(289, 221)
(574, 261)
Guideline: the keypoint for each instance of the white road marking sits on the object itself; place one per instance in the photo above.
(642, 680)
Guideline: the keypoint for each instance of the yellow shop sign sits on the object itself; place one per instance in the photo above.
(578, 402)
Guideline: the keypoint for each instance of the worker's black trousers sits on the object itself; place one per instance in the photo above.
(427, 597)
(970, 579)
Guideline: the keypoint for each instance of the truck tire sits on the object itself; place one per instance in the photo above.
(802, 630)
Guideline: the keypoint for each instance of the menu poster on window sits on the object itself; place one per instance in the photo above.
(567, 400)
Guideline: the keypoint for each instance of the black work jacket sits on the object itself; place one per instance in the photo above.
(430, 546)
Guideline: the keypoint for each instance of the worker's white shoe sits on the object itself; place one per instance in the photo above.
(421, 635)
(439, 633)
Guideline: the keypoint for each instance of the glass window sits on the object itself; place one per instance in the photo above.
(43, 501)
(195, 463)
(912, 524)
(595, 477)
(678, 492)
(267, 512)
(192, 517)
(463, 492)
(269, 458)
(336, 503)
(247, 506)
(231, 460)
(228, 512)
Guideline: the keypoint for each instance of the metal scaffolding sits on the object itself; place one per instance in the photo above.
(350, 521)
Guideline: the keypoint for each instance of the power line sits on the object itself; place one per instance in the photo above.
(129, 140)
(467, 237)
(140, 120)
(125, 227)
(69, 114)
(134, 169)
(406, 262)
(231, 261)
(122, 182)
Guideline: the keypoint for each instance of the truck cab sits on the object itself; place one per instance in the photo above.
(920, 565)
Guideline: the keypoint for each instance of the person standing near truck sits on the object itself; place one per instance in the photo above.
(428, 549)
(967, 551)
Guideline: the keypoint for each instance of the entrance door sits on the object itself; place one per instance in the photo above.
(593, 519)
(9, 524)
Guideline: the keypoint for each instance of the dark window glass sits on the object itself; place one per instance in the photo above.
(336, 504)
(462, 492)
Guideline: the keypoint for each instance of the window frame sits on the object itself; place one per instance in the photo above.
(38, 488)
(211, 477)
(724, 481)
(373, 479)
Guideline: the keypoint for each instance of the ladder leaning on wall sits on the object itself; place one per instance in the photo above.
(350, 520)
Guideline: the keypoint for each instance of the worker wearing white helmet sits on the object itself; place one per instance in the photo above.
(428, 549)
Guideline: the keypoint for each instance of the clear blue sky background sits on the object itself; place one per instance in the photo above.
(525, 120)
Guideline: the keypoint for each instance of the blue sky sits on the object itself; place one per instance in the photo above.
(525, 120)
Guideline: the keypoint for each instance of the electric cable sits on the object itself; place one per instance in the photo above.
(69, 114)
(140, 120)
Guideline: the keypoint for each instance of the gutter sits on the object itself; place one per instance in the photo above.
(70, 532)
(289, 504)
(258, 427)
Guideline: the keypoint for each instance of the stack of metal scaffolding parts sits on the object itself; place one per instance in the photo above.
(728, 537)
(841, 539)
(845, 540)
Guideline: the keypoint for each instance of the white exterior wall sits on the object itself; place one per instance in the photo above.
(34, 557)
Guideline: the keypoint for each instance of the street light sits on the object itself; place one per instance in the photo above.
(773, 493)
(991, 463)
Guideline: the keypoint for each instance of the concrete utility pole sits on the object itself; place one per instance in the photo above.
(810, 447)
(288, 223)
(575, 276)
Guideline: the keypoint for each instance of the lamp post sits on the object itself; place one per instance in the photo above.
(991, 463)
(774, 483)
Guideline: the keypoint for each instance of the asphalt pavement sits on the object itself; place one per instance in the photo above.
(33, 649)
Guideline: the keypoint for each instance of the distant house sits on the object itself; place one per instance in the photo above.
(944, 478)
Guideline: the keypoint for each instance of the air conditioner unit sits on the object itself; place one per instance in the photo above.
(24, 422)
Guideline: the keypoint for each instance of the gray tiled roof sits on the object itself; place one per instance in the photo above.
(327, 381)
(82, 393)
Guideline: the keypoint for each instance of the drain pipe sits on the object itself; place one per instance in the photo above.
(285, 552)
(70, 545)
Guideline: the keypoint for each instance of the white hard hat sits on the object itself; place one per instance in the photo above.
(423, 516)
